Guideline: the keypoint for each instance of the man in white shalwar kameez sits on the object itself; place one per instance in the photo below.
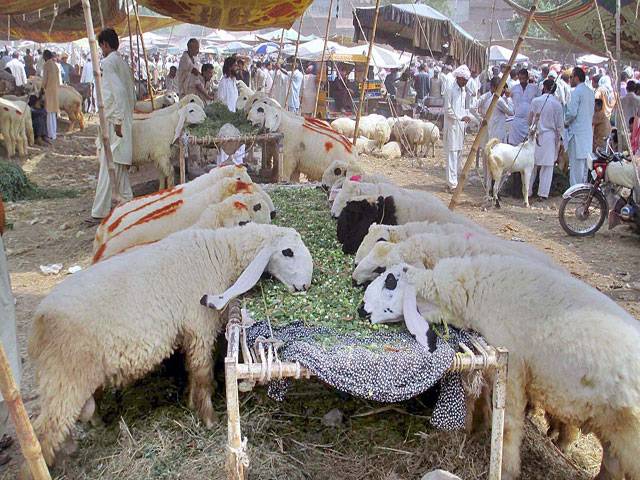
(456, 116)
(119, 101)
(522, 94)
(228, 95)
(87, 77)
(547, 113)
(8, 339)
(279, 88)
(578, 120)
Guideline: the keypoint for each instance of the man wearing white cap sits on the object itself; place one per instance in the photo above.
(456, 116)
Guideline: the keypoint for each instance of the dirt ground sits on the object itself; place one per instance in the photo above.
(159, 438)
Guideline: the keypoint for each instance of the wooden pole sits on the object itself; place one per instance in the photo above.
(366, 71)
(324, 52)
(100, 13)
(104, 125)
(295, 62)
(144, 52)
(493, 16)
(27, 439)
(494, 101)
(618, 28)
(133, 71)
(280, 48)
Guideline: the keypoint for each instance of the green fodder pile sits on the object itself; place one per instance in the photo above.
(148, 433)
(15, 185)
(218, 115)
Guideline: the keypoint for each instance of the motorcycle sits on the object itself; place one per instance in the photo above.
(585, 206)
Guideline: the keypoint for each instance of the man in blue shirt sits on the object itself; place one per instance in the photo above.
(578, 121)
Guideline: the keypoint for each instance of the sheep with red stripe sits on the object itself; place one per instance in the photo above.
(309, 144)
(116, 321)
(239, 172)
(196, 211)
(167, 214)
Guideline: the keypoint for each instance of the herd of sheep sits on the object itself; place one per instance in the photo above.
(164, 265)
(573, 352)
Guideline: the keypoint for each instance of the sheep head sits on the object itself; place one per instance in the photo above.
(190, 114)
(358, 215)
(336, 170)
(191, 98)
(391, 298)
(170, 98)
(283, 255)
(376, 233)
(376, 262)
(265, 114)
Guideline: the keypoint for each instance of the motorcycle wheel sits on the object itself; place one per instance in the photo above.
(578, 220)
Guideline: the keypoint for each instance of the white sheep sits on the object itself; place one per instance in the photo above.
(572, 350)
(344, 125)
(168, 205)
(399, 233)
(194, 186)
(341, 170)
(11, 120)
(197, 211)
(502, 157)
(189, 98)
(159, 102)
(409, 133)
(392, 209)
(365, 145)
(91, 333)
(153, 137)
(430, 136)
(309, 144)
(376, 128)
(426, 249)
(391, 150)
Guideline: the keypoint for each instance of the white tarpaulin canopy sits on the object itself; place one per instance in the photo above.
(290, 35)
(313, 50)
(502, 54)
(381, 57)
(592, 59)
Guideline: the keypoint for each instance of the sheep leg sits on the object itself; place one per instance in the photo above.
(514, 421)
(620, 437)
(197, 348)
(525, 186)
(610, 467)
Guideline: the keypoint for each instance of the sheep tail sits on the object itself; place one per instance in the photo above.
(493, 163)
(490, 144)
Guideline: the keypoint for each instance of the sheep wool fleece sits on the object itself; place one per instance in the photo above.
(359, 366)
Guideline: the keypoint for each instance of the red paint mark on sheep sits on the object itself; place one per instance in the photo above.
(243, 187)
(118, 221)
(328, 146)
(342, 140)
(240, 206)
(99, 253)
(468, 235)
(155, 215)
(356, 178)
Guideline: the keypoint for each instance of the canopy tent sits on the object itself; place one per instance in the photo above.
(502, 54)
(220, 36)
(234, 47)
(591, 59)
(265, 48)
(244, 15)
(381, 57)
(576, 22)
(64, 22)
(312, 51)
(290, 35)
(420, 29)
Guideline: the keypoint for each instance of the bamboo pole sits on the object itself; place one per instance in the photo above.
(280, 49)
(27, 439)
(366, 71)
(133, 70)
(295, 62)
(618, 49)
(322, 62)
(494, 101)
(104, 125)
(100, 13)
(144, 52)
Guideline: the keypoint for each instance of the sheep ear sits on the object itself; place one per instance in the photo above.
(416, 324)
(244, 283)
(182, 115)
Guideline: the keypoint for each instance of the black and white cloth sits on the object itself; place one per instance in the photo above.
(381, 366)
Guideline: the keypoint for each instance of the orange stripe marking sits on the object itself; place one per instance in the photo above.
(240, 206)
(337, 137)
(118, 221)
